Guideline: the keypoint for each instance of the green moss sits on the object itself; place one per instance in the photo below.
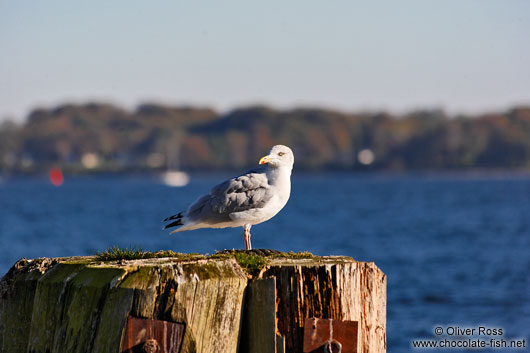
(253, 261)
(140, 278)
(116, 253)
(250, 262)
(180, 256)
(204, 271)
(220, 256)
(83, 299)
(294, 255)
(83, 261)
(134, 253)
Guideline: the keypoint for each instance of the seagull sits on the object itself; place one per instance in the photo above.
(251, 198)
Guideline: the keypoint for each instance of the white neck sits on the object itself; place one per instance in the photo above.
(279, 176)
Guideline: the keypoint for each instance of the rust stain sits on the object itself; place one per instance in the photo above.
(322, 335)
(139, 332)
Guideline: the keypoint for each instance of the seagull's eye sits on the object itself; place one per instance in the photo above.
(281, 154)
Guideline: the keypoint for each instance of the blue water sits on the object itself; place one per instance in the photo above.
(455, 248)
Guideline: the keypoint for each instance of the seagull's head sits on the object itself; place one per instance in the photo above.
(279, 156)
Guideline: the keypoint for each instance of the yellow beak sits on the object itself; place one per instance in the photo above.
(264, 160)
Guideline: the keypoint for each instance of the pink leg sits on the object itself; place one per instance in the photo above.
(246, 235)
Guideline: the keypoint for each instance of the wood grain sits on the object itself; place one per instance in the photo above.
(80, 305)
(332, 288)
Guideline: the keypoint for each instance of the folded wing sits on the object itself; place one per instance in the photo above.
(245, 192)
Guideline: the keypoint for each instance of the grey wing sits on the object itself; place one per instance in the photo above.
(247, 191)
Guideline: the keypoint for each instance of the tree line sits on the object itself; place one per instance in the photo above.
(105, 138)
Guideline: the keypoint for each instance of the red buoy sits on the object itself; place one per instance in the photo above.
(56, 177)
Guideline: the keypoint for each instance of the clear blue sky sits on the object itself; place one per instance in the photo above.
(463, 56)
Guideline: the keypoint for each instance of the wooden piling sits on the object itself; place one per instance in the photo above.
(230, 302)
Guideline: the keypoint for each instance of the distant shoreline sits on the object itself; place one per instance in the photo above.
(154, 138)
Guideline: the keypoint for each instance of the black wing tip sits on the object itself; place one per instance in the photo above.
(173, 224)
(178, 221)
(175, 216)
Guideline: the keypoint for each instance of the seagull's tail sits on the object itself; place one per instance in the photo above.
(177, 221)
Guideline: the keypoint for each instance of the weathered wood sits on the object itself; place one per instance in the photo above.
(208, 298)
(17, 292)
(320, 334)
(330, 288)
(79, 311)
(114, 313)
(49, 307)
(259, 324)
(82, 305)
(159, 335)
(280, 344)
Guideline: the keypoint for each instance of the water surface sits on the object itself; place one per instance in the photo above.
(455, 248)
